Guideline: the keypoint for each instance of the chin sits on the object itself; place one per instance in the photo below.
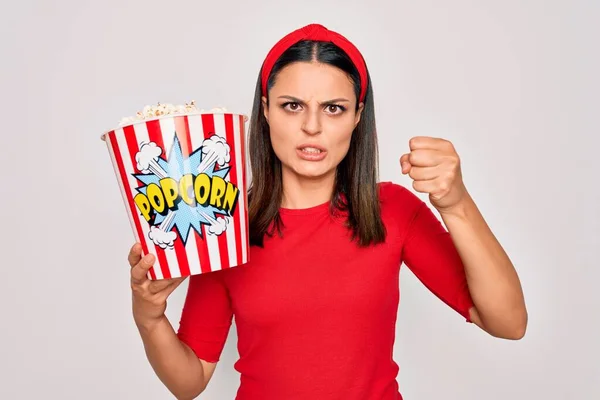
(311, 173)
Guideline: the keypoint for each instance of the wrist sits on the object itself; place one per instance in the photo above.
(460, 210)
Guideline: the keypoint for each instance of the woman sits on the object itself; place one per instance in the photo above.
(316, 306)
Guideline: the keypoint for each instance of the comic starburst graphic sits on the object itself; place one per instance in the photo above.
(183, 217)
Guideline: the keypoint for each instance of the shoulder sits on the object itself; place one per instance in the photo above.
(398, 204)
(398, 207)
(398, 197)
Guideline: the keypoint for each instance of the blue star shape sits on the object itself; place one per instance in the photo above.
(186, 216)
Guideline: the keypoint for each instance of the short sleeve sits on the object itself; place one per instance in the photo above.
(206, 316)
(430, 254)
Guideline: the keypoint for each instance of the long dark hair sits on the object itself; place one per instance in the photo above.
(355, 191)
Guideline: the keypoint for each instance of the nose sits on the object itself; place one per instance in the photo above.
(312, 123)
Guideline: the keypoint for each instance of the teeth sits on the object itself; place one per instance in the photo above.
(311, 150)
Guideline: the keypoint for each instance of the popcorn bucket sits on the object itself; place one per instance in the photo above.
(183, 182)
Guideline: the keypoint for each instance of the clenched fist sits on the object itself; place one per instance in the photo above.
(434, 166)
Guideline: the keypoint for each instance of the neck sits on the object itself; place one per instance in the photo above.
(301, 192)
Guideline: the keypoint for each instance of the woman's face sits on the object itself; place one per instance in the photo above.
(311, 117)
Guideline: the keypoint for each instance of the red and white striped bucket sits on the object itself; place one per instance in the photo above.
(183, 180)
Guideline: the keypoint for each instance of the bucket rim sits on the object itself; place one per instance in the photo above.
(186, 114)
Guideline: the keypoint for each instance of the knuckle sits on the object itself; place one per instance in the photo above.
(135, 285)
(144, 265)
(134, 250)
(452, 161)
(135, 288)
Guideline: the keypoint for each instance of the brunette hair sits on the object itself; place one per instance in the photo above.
(355, 192)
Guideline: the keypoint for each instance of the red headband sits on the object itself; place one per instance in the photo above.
(321, 34)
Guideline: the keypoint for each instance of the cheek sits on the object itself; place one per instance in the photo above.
(280, 134)
(342, 138)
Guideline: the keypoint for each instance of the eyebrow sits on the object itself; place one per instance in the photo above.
(332, 101)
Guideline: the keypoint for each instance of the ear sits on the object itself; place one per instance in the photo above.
(361, 107)
(263, 99)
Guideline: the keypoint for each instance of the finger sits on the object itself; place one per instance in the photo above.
(139, 273)
(404, 163)
(424, 173)
(437, 186)
(428, 186)
(428, 142)
(425, 158)
(135, 254)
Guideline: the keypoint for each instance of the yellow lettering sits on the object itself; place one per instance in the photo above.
(231, 196)
(143, 204)
(202, 188)
(169, 188)
(217, 191)
(156, 198)
(186, 189)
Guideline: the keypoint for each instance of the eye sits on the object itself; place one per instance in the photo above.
(335, 109)
(291, 106)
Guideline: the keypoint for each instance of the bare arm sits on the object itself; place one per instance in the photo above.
(175, 364)
(493, 282)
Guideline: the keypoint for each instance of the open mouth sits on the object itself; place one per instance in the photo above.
(311, 150)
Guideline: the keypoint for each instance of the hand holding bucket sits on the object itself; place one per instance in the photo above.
(149, 298)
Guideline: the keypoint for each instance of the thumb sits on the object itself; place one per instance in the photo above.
(165, 286)
(173, 284)
(405, 163)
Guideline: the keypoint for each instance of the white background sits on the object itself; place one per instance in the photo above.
(513, 84)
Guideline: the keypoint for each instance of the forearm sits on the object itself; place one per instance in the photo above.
(174, 363)
(493, 282)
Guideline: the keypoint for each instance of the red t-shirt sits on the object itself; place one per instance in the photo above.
(315, 313)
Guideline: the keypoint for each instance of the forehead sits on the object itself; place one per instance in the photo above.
(305, 80)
